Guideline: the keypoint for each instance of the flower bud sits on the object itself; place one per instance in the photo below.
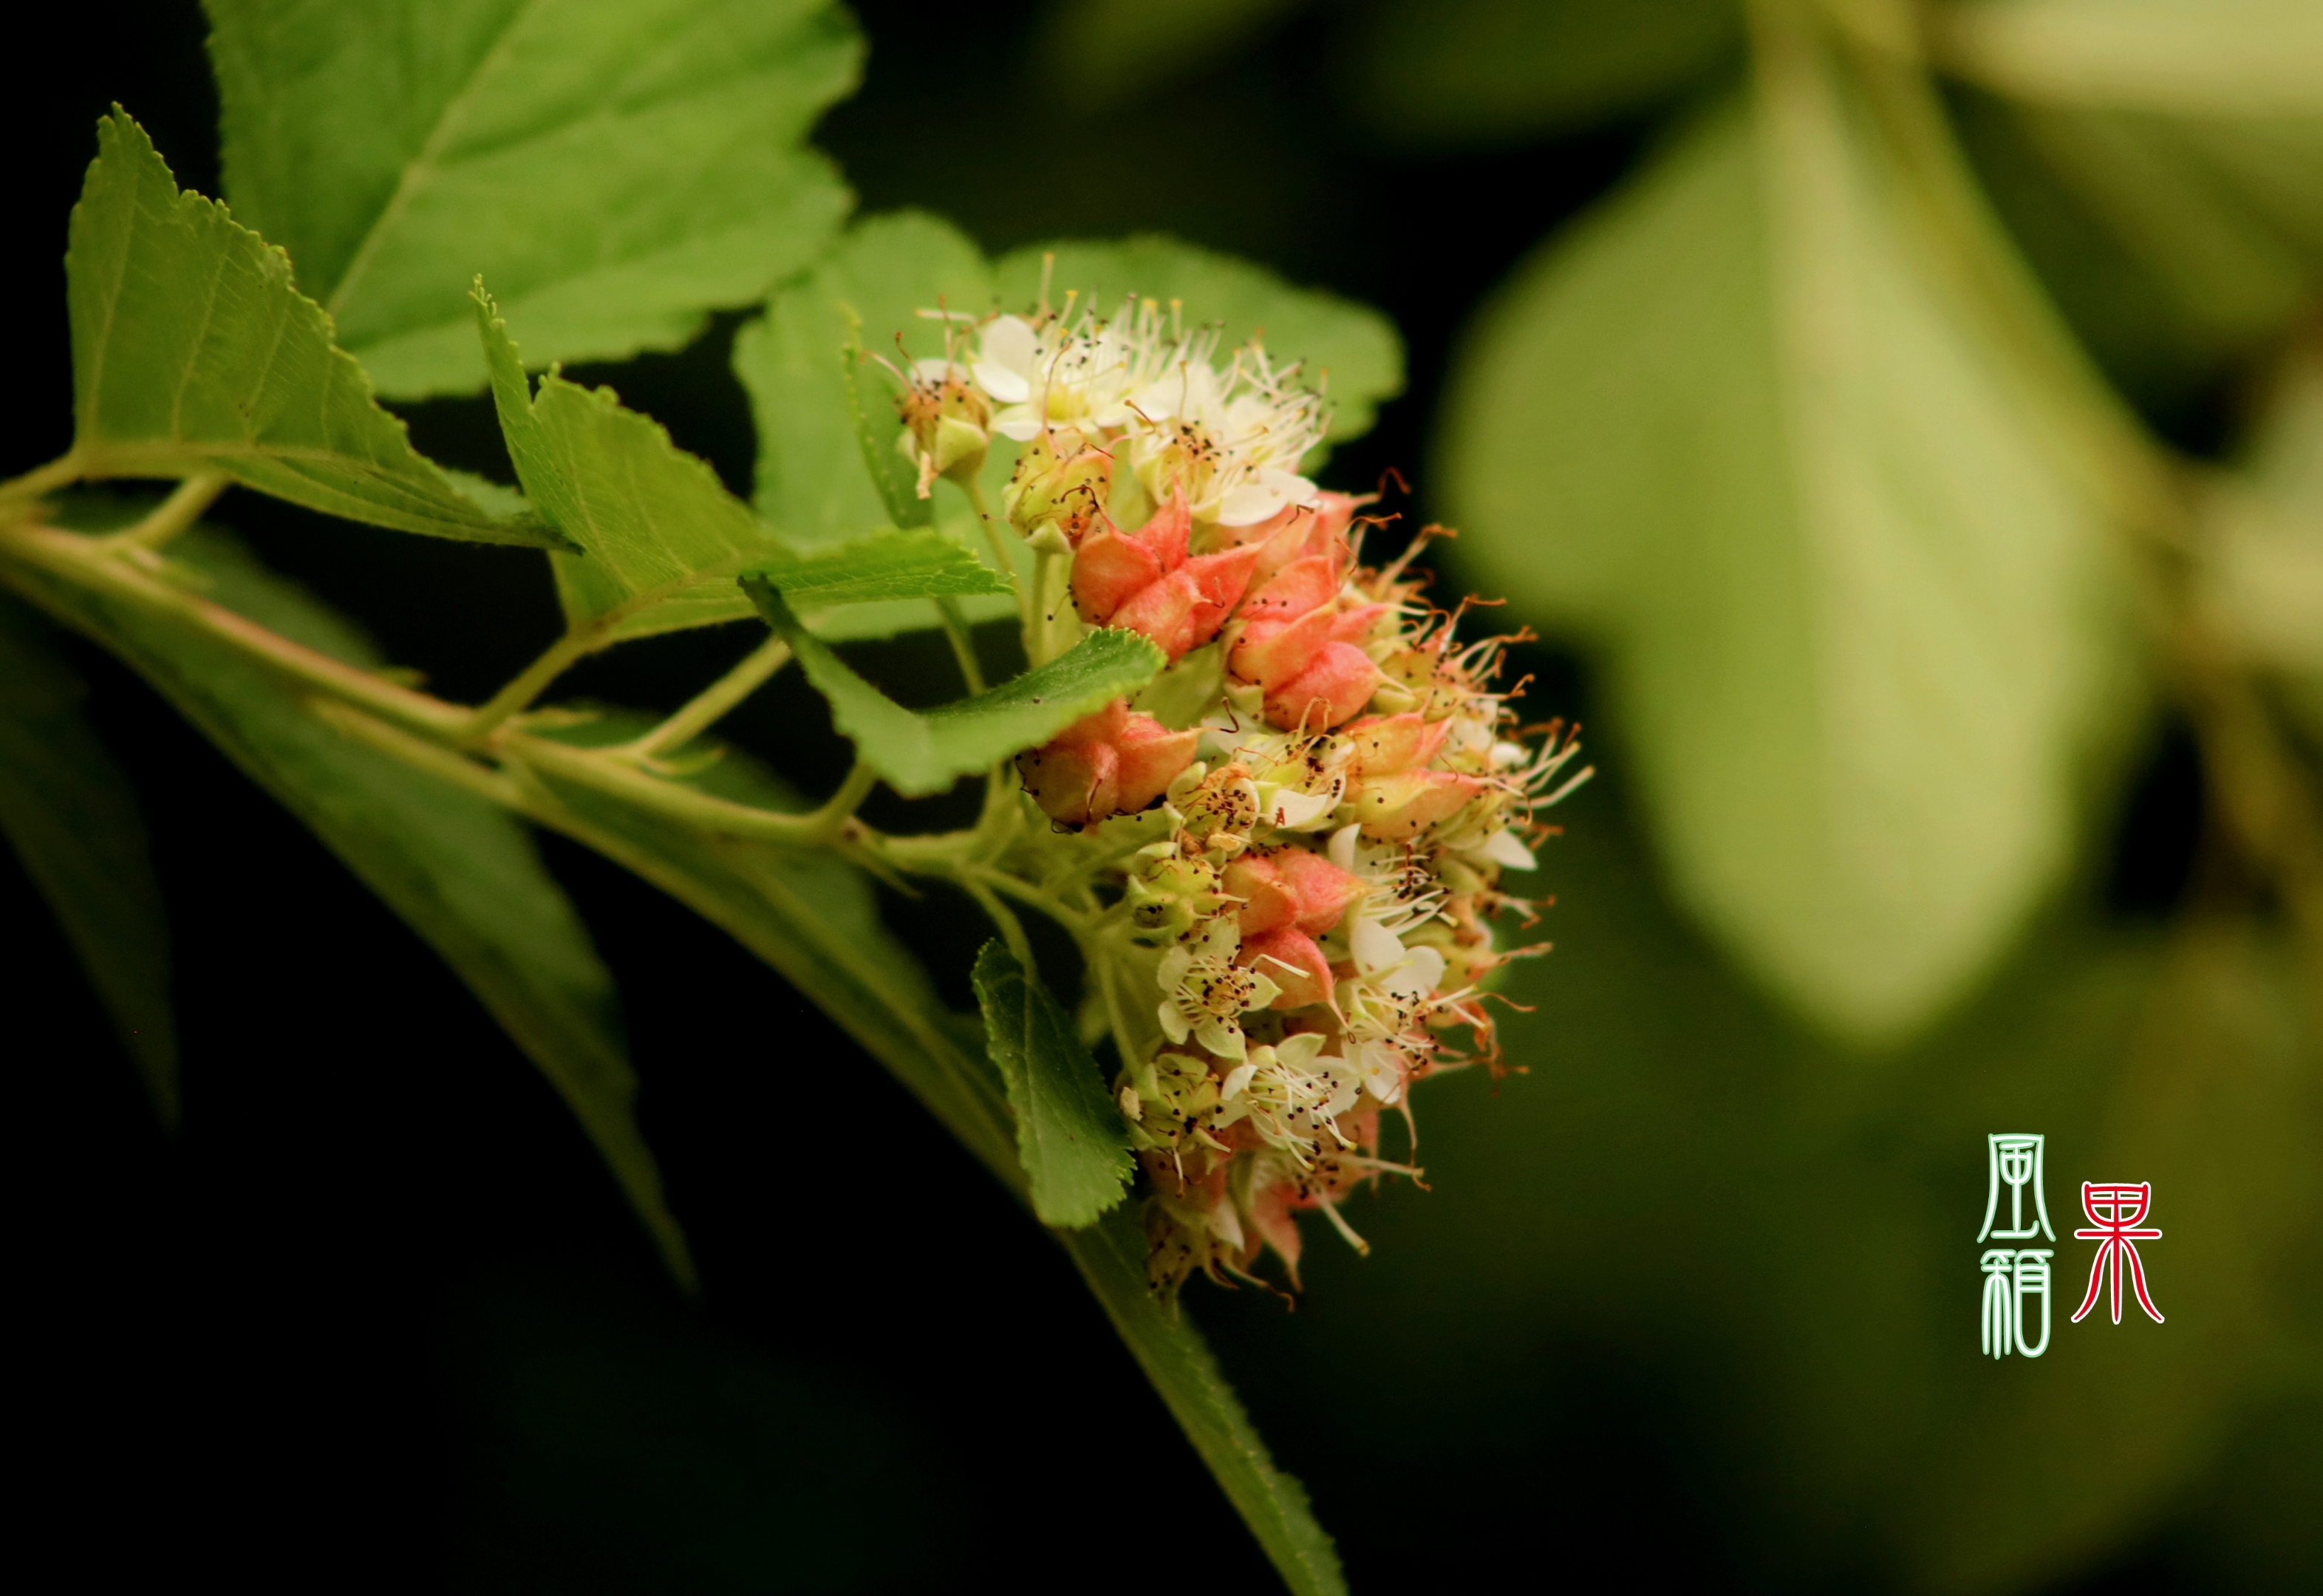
(1171, 895)
(1109, 763)
(1065, 490)
(947, 422)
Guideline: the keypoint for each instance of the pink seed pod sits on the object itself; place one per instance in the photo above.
(1319, 888)
(1144, 582)
(1109, 763)
(1289, 959)
(1331, 691)
(1111, 567)
(1399, 807)
(1184, 609)
(1289, 886)
(1386, 744)
(1299, 530)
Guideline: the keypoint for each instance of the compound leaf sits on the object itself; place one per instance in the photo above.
(616, 167)
(1070, 1137)
(193, 351)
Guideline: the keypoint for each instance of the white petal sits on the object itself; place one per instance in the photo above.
(1248, 505)
(1373, 944)
(1009, 341)
(1418, 975)
(1223, 1039)
(1289, 807)
(1502, 848)
(1236, 1078)
(1173, 966)
(1223, 1221)
(934, 371)
(1386, 1082)
(1342, 846)
(1291, 486)
(1010, 388)
(1173, 1023)
(1021, 426)
(1299, 1052)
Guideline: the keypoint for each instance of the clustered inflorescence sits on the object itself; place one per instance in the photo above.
(1303, 870)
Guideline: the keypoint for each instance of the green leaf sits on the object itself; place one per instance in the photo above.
(921, 754)
(815, 479)
(1111, 1257)
(1862, 622)
(661, 538)
(881, 568)
(1349, 349)
(2224, 58)
(459, 870)
(877, 437)
(615, 168)
(2264, 536)
(73, 818)
(809, 914)
(2163, 160)
(1099, 54)
(192, 352)
(1070, 1137)
(1466, 72)
(828, 465)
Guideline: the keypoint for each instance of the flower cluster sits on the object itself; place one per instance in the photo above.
(1312, 925)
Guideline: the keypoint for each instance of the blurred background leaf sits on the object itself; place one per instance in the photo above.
(1735, 430)
(1484, 72)
(73, 818)
(1689, 1299)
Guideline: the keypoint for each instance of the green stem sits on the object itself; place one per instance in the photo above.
(530, 683)
(174, 515)
(616, 778)
(1003, 918)
(1026, 603)
(963, 644)
(85, 562)
(1054, 628)
(713, 703)
(61, 471)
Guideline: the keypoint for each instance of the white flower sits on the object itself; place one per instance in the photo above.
(1231, 441)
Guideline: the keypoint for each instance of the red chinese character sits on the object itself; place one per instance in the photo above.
(2114, 1209)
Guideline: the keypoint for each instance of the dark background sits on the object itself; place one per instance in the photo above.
(376, 1317)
